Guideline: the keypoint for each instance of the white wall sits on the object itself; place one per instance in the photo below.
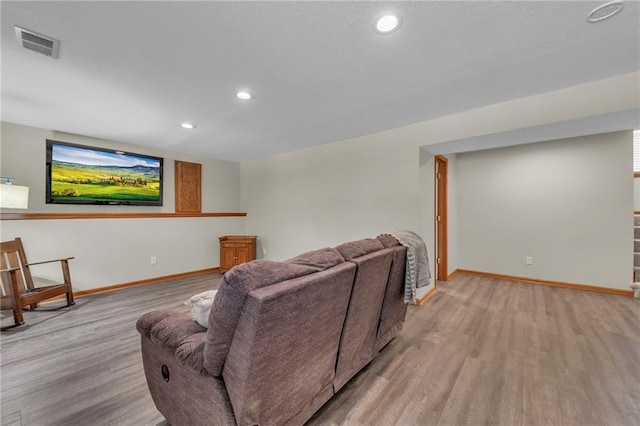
(365, 185)
(330, 194)
(566, 203)
(297, 201)
(114, 251)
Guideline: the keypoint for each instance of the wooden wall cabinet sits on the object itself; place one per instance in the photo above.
(188, 187)
(236, 249)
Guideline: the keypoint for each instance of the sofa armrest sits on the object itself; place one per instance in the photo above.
(146, 322)
(168, 329)
(178, 333)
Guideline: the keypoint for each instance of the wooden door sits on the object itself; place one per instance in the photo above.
(441, 217)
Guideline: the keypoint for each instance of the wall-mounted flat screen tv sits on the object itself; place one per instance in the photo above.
(78, 174)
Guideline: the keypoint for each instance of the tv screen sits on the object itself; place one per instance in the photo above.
(78, 174)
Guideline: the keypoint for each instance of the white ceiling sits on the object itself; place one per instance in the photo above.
(133, 71)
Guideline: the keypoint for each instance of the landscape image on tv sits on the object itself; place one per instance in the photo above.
(84, 175)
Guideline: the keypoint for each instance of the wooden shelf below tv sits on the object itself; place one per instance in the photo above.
(48, 216)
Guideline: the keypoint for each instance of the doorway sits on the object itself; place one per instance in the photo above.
(440, 179)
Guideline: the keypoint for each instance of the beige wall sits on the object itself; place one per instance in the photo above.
(114, 251)
(567, 203)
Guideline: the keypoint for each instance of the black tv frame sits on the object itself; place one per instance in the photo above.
(111, 202)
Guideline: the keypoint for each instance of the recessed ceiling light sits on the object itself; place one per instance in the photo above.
(605, 11)
(387, 24)
(245, 96)
(188, 126)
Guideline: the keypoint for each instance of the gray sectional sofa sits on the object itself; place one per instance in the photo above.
(282, 337)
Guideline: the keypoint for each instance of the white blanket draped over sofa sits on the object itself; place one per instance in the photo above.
(418, 273)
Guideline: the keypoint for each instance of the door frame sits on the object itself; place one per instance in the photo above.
(441, 216)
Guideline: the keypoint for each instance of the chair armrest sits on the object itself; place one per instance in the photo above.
(64, 259)
(13, 282)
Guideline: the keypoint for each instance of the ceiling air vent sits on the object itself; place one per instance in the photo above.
(37, 42)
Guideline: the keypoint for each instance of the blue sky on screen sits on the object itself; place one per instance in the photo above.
(89, 157)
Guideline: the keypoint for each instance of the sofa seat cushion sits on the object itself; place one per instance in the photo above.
(176, 332)
(359, 248)
(239, 282)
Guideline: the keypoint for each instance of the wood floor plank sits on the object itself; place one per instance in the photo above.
(464, 407)
(617, 418)
(538, 308)
(607, 387)
(433, 383)
(540, 403)
(624, 353)
(11, 419)
(625, 319)
(480, 351)
(506, 390)
(552, 301)
(541, 362)
(578, 407)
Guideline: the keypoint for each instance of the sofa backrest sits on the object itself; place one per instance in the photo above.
(281, 362)
(394, 309)
(239, 282)
(357, 345)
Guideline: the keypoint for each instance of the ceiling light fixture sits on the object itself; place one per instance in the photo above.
(245, 96)
(188, 126)
(387, 24)
(605, 11)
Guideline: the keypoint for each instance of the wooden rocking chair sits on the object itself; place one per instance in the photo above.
(18, 290)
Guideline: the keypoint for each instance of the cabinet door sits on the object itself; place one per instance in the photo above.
(228, 257)
(242, 254)
(188, 187)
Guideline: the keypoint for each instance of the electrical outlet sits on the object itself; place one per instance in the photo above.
(528, 260)
(154, 260)
(264, 251)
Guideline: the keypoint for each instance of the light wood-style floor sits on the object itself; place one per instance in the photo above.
(480, 351)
